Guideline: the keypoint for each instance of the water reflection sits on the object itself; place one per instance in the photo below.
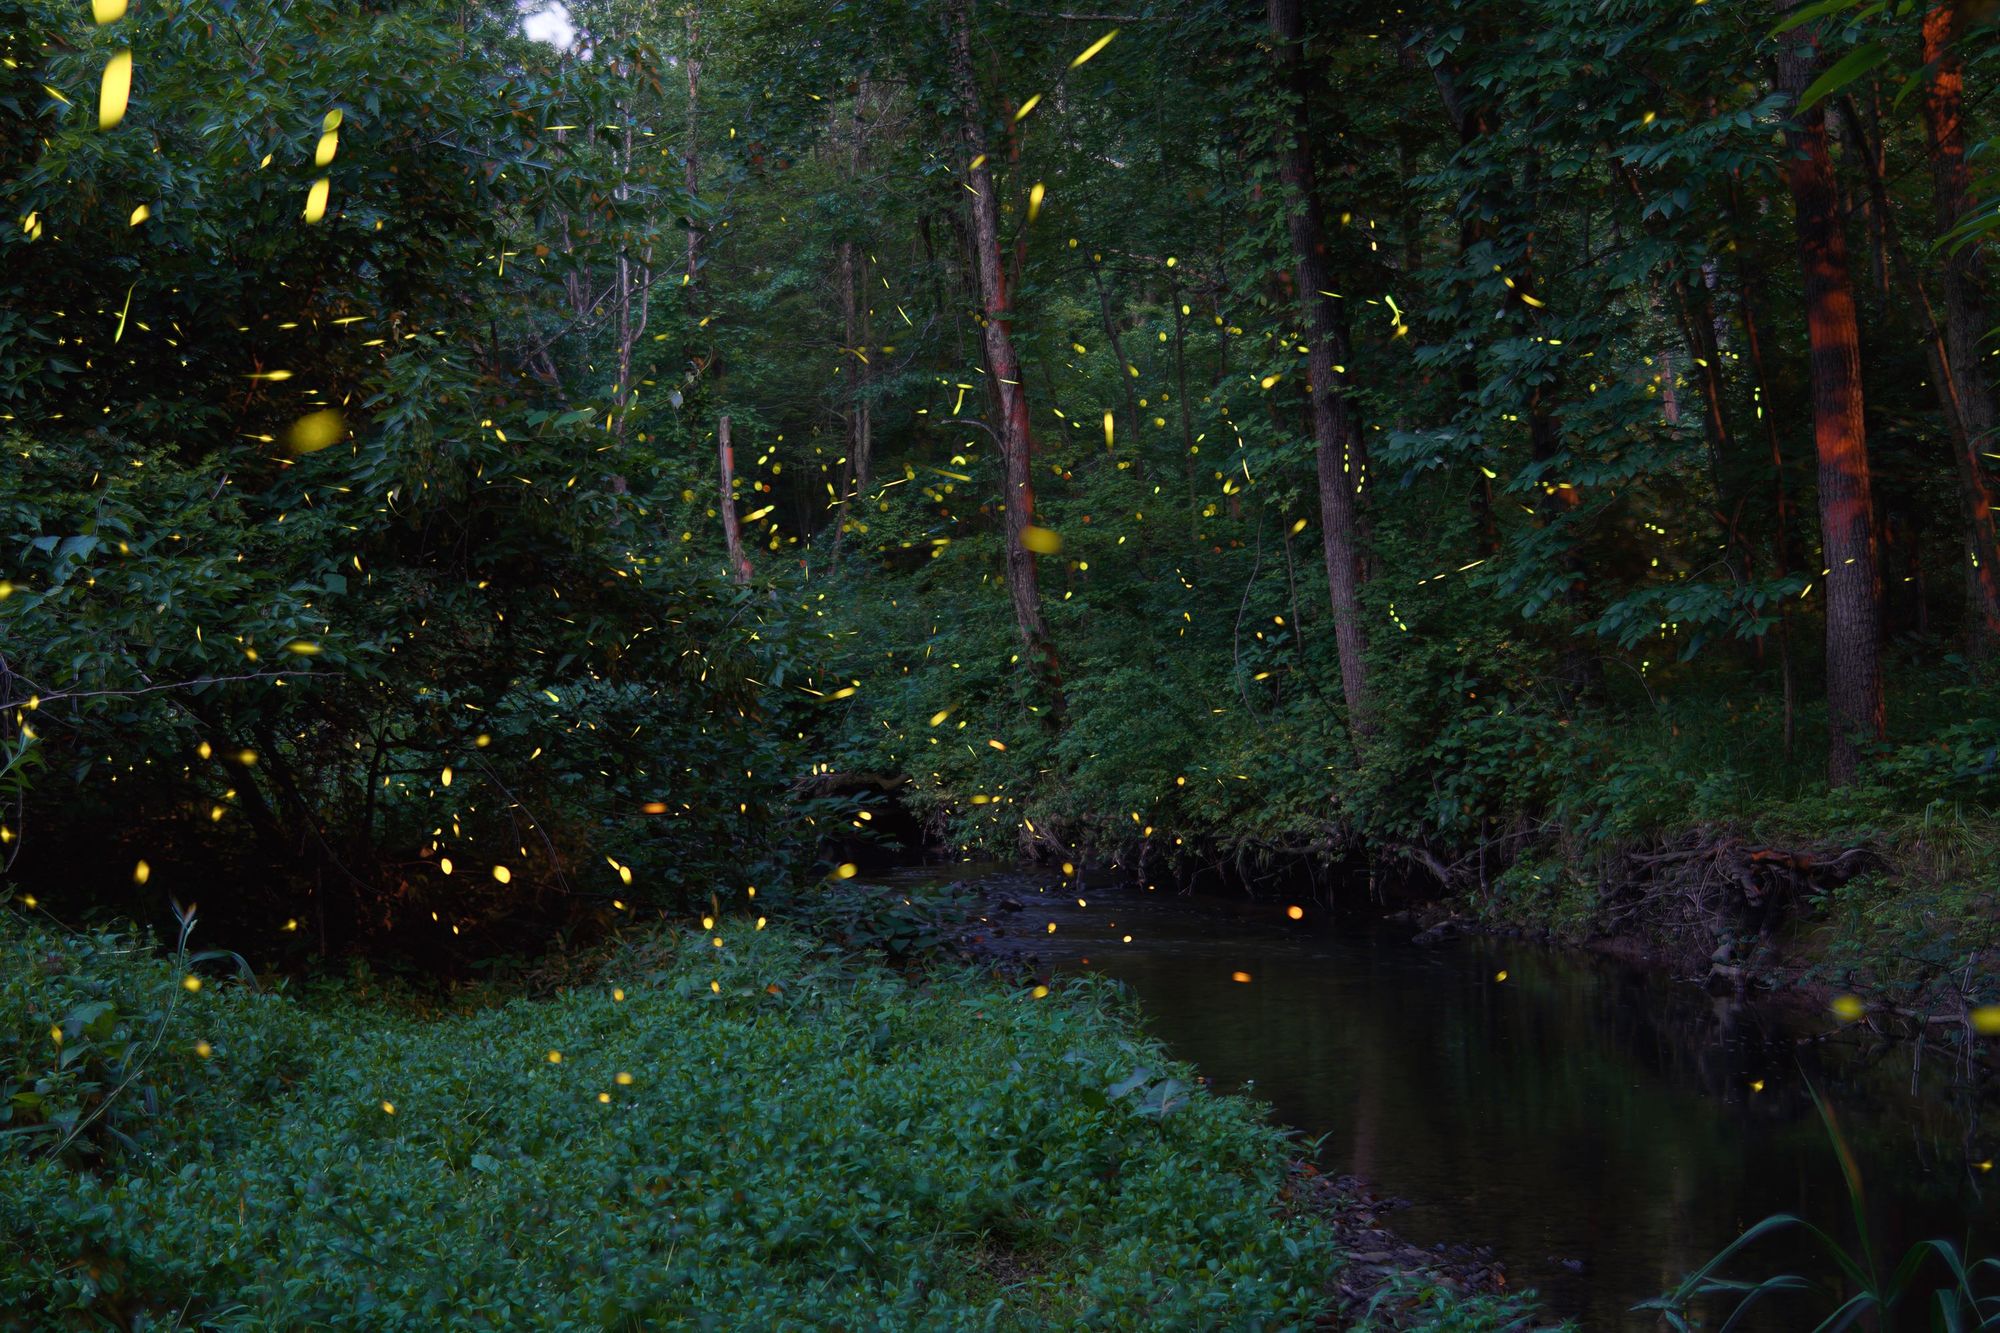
(1603, 1127)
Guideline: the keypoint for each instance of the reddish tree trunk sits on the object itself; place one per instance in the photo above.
(1961, 393)
(1002, 363)
(1335, 436)
(1965, 318)
(1846, 507)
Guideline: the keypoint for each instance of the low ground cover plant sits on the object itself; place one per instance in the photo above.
(727, 1129)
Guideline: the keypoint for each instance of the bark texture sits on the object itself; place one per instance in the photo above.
(1846, 504)
(1335, 433)
(1003, 364)
(1965, 320)
(732, 529)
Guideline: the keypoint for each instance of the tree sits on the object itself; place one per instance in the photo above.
(1966, 321)
(323, 611)
(1336, 440)
(1855, 706)
(1003, 363)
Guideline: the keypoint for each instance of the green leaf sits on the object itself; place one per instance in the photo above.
(1850, 67)
(81, 1017)
(1819, 9)
(1125, 1086)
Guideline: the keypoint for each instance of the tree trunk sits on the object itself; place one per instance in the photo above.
(860, 328)
(850, 337)
(1949, 379)
(1333, 426)
(1750, 281)
(1697, 328)
(1002, 364)
(1846, 506)
(864, 426)
(632, 279)
(1125, 394)
(732, 531)
(1965, 317)
(691, 150)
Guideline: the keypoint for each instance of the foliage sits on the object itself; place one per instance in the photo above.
(1590, 597)
(1920, 941)
(546, 272)
(364, 572)
(80, 1088)
(1933, 1280)
(915, 926)
(430, 677)
(1416, 1303)
(775, 1154)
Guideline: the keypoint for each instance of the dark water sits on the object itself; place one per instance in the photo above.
(1581, 1110)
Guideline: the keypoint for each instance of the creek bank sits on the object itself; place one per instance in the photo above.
(1734, 916)
(1884, 919)
(1901, 918)
(764, 1133)
(1384, 1281)
(1562, 1107)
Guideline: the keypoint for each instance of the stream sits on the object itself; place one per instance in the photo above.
(1604, 1127)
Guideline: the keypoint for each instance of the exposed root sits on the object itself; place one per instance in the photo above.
(1710, 888)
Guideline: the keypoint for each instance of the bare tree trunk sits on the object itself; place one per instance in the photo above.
(1125, 393)
(860, 327)
(1002, 363)
(850, 329)
(1670, 402)
(864, 409)
(1750, 280)
(1334, 431)
(1962, 395)
(1965, 318)
(1846, 505)
(1697, 321)
(691, 150)
(1874, 210)
(856, 465)
(732, 530)
(1180, 365)
(632, 280)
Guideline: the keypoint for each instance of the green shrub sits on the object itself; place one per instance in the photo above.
(904, 925)
(801, 1143)
(87, 1065)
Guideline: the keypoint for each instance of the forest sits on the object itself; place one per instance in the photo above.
(525, 528)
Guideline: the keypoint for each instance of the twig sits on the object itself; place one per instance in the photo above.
(60, 695)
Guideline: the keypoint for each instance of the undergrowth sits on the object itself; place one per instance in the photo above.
(724, 1128)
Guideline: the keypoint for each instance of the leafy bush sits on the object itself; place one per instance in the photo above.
(904, 925)
(1958, 761)
(747, 1135)
(302, 677)
(97, 1056)
(1913, 938)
